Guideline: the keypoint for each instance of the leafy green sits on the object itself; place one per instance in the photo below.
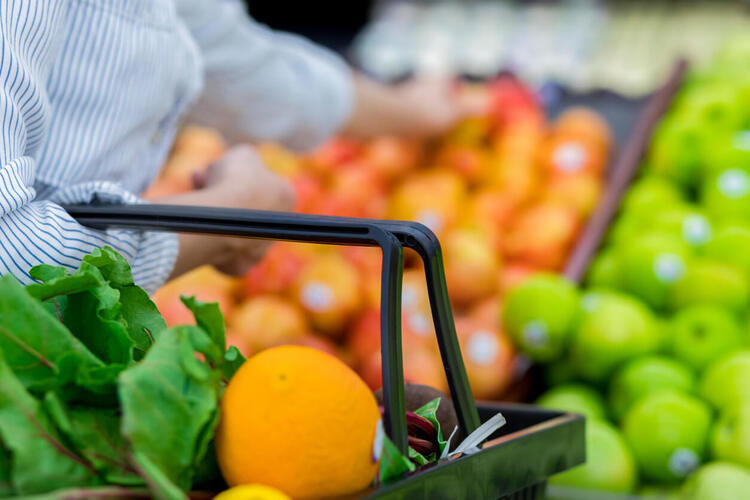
(169, 404)
(39, 350)
(40, 460)
(143, 320)
(233, 359)
(94, 433)
(429, 411)
(95, 390)
(208, 316)
(393, 464)
(6, 486)
(90, 304)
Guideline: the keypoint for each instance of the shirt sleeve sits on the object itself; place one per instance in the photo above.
(40, 231)
(262, 84)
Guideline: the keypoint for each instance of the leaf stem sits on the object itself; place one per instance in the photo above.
(49, 364)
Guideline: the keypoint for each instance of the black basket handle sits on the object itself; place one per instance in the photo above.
(390, 236)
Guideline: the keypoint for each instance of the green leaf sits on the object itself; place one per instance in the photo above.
(170, 405)
(208, 316)
(142, 317)
(113, 266)
(160, 486)
(40, 460)
(418, 458)
(207, 474)
(46, 272)
(56, 284)
(36, 345)
(6, 487)
(92, 307)
(233, 359)
(94, 433)
(94, 317)
(393, 464)
(429, 411)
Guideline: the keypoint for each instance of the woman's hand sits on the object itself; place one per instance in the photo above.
(419, 107)
(238, 180)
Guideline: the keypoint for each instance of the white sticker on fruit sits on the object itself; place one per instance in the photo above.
(569, 157)
(683, 461)
(668, 267)
(733, 183)
(419, 324)
(431, 219)
(742, 140)
(482, 348)
(535, 334)
(696, 229)
(317, 296)
(408, 296)
(377, 442)
(589, 302)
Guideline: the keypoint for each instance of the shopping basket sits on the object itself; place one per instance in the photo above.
(514, 463)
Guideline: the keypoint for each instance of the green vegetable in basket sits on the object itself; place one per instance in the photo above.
(96, 394)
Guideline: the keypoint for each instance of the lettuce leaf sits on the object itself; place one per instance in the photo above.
(170, 407)
(37, 347)
(40, 459)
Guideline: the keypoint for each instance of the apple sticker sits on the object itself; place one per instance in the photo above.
(734, 183)
(668, 267)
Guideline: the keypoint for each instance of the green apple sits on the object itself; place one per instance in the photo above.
(643, 376)
(730, 439)
(727, 151)
(726, 193)
(539, 315)
(718, 481)
(685, 221)
(606, 270)
(731, 245)
(700, 334)
(726, 382)
(652, 265)
(709, 281)
(627, 226)
(614, 329)
(609, 463)
(651, 193)
(676, 149)
(668, 433)
(574, 398)
(715, 106)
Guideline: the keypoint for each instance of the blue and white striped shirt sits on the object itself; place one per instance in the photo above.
(92, 93)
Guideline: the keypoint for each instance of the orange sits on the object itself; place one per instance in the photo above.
(585, 123)
(205, 283)
(329, 291)
(488, 356)
(267, 320)
(471, 266)
(568, 154)
(299, 420)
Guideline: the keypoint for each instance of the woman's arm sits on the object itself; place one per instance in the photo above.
(269, 85)
(32, 231)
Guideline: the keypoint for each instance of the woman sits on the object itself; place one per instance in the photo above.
(92, 93)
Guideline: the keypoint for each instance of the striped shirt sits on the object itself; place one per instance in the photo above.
(92, 93)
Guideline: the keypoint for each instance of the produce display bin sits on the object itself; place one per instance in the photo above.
(514, 463)
(632, 121)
